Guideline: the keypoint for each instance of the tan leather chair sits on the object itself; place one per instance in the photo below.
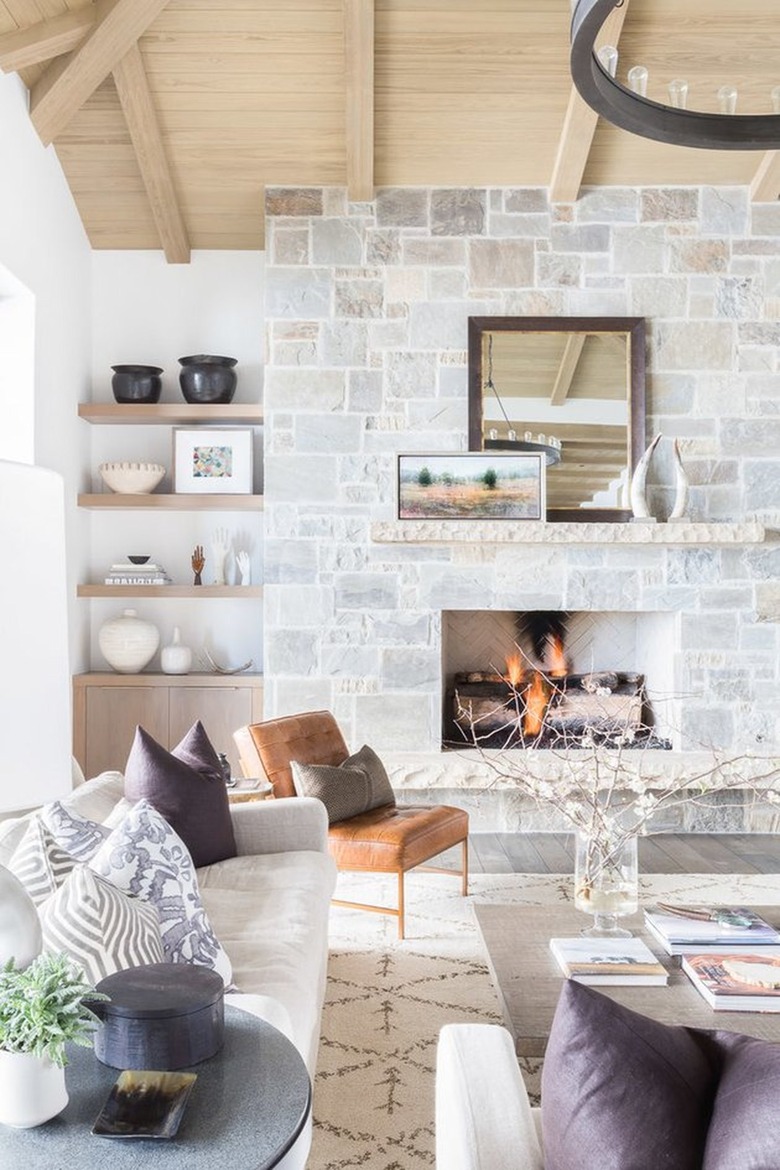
(390, 839)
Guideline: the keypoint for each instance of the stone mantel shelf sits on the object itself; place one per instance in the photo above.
(682, 532)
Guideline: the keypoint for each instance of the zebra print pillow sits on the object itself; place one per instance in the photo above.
(100, 927)
(39, 862)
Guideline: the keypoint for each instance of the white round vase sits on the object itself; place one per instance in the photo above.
(32, 1089)
(176, 658)
(20, 926)
(128, 643)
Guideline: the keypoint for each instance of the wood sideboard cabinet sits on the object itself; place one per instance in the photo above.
(108, 707)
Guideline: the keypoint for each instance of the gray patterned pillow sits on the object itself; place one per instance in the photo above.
(356, 786)
(39, 863)
(99, 926)
(78, 836)
(145, 858)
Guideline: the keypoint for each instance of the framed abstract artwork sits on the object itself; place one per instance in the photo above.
(212, 461)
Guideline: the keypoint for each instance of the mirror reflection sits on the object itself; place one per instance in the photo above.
(572, 388)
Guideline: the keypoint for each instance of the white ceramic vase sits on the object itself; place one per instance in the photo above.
(32, 1089)
(176, 658)
(128, 643)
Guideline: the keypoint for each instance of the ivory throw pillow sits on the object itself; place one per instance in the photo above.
(145, 858)
(187, 788)
(355, 786)
(99, 926)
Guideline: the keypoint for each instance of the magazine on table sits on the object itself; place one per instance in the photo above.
(685, 930)
(616, 961)
(741, 982)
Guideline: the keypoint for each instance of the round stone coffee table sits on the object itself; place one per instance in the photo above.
(249, 1104)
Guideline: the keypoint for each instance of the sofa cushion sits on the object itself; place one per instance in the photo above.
(39, 862)
(743, 1133)
(621, 1091)
(145, 857)
(99, 926)
(187, 788)
(355, 786)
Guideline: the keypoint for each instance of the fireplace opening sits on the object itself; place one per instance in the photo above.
(549, 679)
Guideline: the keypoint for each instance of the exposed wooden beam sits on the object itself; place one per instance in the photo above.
(579, 126)
(765, 187)
(359, 56)
(66, 84)
(572, 352)
(47, 39)
(141, 116)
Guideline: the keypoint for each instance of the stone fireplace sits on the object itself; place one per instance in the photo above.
(367, 306)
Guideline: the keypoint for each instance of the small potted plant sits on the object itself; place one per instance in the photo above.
(42, 1007)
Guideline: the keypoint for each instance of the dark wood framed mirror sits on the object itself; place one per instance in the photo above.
(572, 387)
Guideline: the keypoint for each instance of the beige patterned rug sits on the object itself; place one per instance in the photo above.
(373, 1096)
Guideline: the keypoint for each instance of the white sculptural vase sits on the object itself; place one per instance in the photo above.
(128, 643)
(32, 1089)
(176, 658)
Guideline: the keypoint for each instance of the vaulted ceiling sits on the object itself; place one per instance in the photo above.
(170, 117)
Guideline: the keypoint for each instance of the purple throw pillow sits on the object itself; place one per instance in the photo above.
(187, 788)
(623, 1092)
(744, 1132)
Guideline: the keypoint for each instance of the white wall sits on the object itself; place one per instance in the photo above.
(43, 246)
(150, 312)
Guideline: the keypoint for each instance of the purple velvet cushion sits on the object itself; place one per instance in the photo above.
(744, 1133)
(622, 1092)
(187, 788)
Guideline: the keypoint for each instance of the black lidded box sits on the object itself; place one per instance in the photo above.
(161, 1016)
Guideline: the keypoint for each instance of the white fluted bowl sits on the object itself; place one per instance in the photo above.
(132, 479)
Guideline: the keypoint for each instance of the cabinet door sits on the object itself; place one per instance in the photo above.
(112, 714)
(221, 710)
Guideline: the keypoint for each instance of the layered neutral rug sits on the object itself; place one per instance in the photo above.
(386, 1001)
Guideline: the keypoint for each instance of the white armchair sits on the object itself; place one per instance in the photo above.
(484, 1120)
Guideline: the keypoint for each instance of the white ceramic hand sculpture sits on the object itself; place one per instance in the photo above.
(220, 547)
(242, 564)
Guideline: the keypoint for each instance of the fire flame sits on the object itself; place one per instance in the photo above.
(514, 669)
(535, 706)
(557, 666)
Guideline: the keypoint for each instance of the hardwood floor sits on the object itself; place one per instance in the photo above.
(662, 853)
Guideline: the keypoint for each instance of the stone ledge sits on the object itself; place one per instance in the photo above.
(540, 532)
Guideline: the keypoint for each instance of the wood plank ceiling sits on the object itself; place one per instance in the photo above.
(170, 117)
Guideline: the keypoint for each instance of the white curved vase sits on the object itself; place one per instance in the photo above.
(20, 926)
(128, 643)
(176, 658)
(32, 1089)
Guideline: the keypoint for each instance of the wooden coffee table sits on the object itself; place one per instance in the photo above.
(528, 979)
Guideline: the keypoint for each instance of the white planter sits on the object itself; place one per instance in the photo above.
(128, 643)
(32, 1089)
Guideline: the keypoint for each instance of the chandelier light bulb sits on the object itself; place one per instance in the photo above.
(528, 436)
(775, 96)
(608, 56)
(637, 80)
(511, 435)
(727, 99)
(493, 433)
(678, 94)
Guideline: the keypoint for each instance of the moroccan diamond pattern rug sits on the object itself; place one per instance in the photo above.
(387, 1000)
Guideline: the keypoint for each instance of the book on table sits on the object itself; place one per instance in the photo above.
(606, 961)
(743, 982)
(708, 926)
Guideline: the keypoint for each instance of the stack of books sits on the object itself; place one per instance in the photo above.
(608, 961)
(730, 953)
(126, 573)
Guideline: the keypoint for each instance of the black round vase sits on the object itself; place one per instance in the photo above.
(207, 378)
(136, 383)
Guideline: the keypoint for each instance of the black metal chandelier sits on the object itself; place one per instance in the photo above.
(631, 110)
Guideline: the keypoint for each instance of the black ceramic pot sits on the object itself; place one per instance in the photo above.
(207, 378)
(136, 383)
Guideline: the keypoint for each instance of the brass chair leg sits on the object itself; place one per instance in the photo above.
(401, 922)
(465, 870)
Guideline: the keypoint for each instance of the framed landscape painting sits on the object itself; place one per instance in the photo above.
(212, 461)
(471, 486)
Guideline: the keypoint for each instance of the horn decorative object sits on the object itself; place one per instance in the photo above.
(638, 482)
(680, 486)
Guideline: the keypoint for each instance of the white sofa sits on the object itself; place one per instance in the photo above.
(268, 906)
(484, 1120)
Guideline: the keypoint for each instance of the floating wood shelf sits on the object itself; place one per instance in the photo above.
(198, 592)
(173, 502)
(170, 414)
